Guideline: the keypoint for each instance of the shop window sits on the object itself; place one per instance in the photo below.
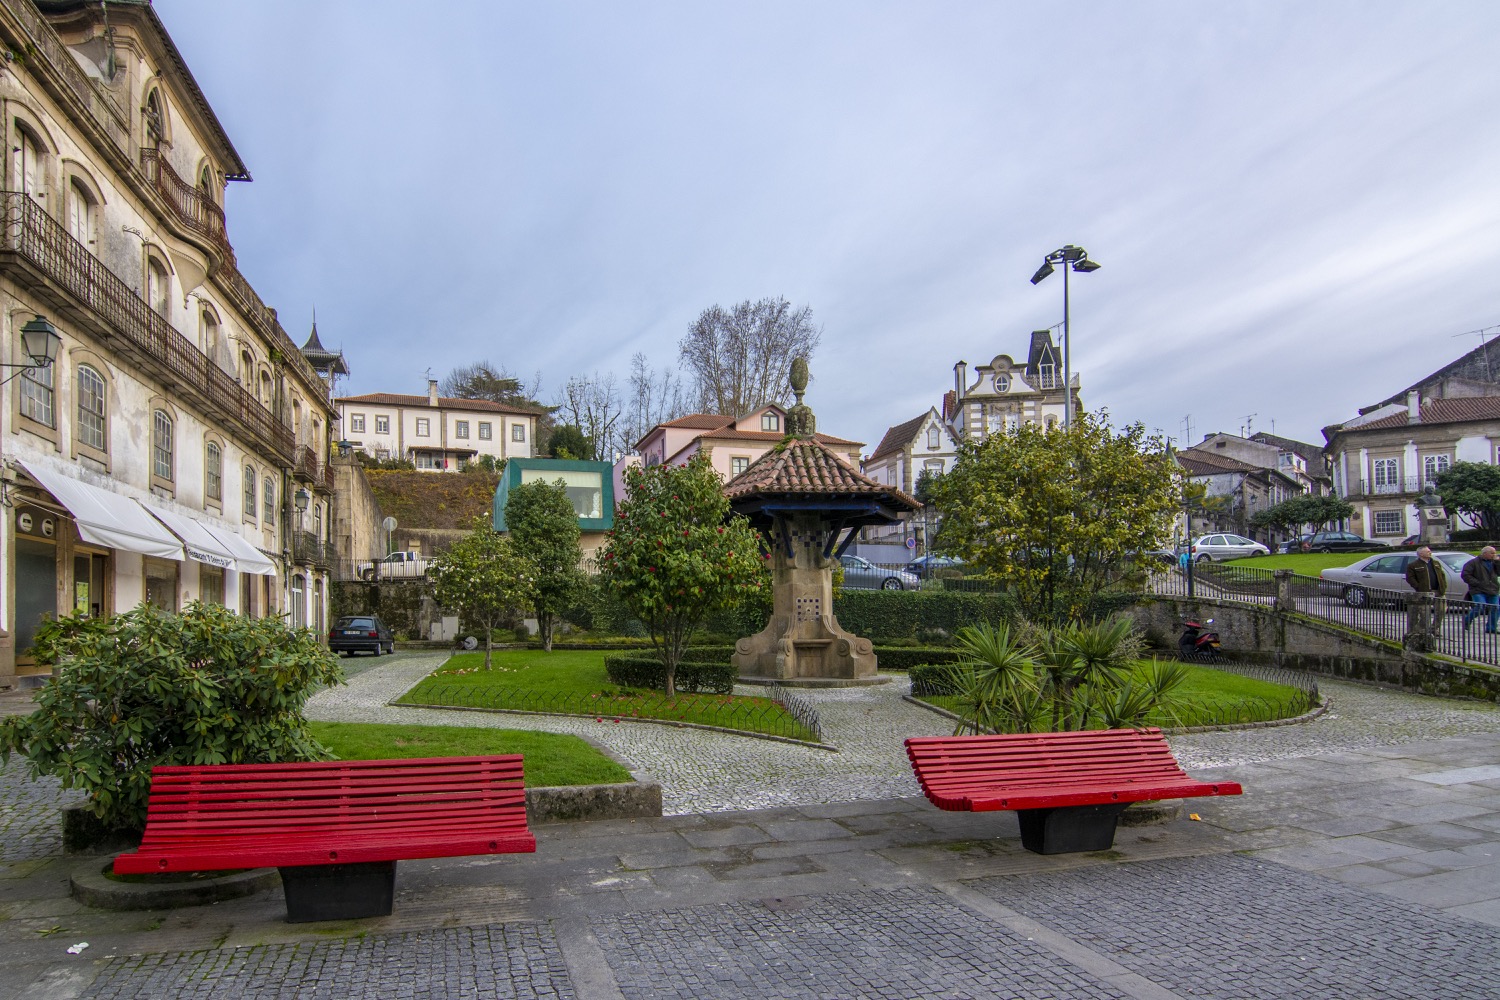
(93, 413)
(210, 584)
(161, 584)
(161, 446)
(213, 473)
(36, 589)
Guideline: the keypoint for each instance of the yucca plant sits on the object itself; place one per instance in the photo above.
(997, 681)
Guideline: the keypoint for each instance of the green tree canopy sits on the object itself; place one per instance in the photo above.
(1472, 489)
(676, 554)
(544, 528)
(484, 579)
(1054, 512)
(1293, 514)
(568, 441)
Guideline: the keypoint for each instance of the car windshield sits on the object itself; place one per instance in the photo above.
(1457, 560)
(356, 623)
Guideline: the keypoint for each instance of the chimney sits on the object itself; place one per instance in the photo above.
(960, 378)
(1414, 407)
(432, 397)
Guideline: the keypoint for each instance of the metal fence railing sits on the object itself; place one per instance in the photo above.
(1383, 614)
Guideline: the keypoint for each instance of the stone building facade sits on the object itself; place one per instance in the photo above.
(177, 449)
(1005, 393)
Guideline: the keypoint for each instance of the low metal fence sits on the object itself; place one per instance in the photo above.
(783, 714)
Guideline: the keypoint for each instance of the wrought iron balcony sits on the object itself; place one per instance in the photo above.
(192, 206)
(1392, 486)
(63, 271)
(307, 548)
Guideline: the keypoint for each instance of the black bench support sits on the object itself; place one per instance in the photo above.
(1069, 829)
(339, 892)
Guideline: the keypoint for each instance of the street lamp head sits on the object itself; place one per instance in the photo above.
(1085, 266)
(40, 341)
(301, 499)
(1041, 272)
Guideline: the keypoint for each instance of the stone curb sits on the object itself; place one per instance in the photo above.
(1151, 813)
(90, 887)
(393, 703)
(1296, 720)
(573, 803)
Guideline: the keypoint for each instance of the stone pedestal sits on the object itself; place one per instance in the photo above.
(803, 641)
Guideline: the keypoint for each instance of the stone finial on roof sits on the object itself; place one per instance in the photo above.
(800, 422)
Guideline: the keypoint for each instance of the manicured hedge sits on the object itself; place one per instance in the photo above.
(928, 679)
(928, 615)
(628, 670)
(911, 657)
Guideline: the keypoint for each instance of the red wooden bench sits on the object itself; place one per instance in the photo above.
(1067, 789)
(335, 829)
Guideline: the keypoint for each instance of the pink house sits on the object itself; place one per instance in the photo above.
(731, 443)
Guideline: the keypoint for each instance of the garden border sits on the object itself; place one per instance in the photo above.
(1324, 703)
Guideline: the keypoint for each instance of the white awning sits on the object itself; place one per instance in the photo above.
(106, 518)
(202, 545)
(247, 556)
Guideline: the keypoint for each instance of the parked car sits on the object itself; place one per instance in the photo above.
(1342, 541)
(396, 566)
(861, 574)
(1226, 546)
(1298, 544)
(924, 567)
(1387, 572)
(360, 634)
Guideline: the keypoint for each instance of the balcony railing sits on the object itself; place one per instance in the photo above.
(309, 470)
(37, 239)
(1394, 486)
(101, 106)
(308, 548)
(264, 318)
(192, 205)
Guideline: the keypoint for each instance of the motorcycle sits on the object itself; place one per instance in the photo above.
(1197, 642)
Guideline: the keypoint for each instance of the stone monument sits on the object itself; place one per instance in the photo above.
(809, 504)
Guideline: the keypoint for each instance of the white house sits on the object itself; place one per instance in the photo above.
(924, 443)
(436, 432)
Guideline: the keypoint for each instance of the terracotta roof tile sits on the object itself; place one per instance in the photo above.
(809, 466)
(699, 421)
(729, 434)
(898, 437)
(1442, 411)
(401, 399)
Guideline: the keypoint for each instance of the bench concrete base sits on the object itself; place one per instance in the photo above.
(339, 892)
(89, 885)
(1070, 829)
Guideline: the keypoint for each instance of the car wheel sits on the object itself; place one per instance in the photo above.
(390, 648)
(1256, 553)
(1322, 550)
(891, 583)
(368, 576)
(1205, 558)
(1356, 597)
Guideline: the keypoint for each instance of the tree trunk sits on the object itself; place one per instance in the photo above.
(488, 643)
(544, 624)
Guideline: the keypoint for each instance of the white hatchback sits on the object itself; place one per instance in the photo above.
(1226, 546)
(1388, 573)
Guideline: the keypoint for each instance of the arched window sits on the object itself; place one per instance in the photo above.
(37, 397)
(161, 445)
(206, 182)
(80, 211)
(1002, 383)
(265, 389)
(210, 334)
(92, 409)
(318, 522)
(213, 472)
(249, 493)
(268, 497)
(247, 371)
(27, 163)
(156, 286)
(156, 121)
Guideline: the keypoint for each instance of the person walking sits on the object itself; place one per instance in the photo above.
(1483, 577)
(1425, 575)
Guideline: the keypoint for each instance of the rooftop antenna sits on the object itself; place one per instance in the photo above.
(1249, 424)
(1187, 431)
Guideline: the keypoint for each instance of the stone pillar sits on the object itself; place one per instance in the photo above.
(1284, 599)
(1420, 627)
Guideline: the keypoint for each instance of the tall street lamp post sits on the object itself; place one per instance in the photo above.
(1070, 258)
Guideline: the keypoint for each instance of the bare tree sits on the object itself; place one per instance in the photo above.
(654, 397)
(484, 380)
(739, 358)
(592, 404)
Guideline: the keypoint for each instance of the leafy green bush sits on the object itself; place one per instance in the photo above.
(633, 671)
(934, 679)
(145, 688)
(911, 657)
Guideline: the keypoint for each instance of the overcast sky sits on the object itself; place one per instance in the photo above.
(1296, 206)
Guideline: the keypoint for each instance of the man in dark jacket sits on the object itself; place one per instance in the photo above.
(1480, 573)
(1425, 575)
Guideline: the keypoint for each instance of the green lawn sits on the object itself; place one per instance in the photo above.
(573, 681)
(1209, 697)
(551, 758)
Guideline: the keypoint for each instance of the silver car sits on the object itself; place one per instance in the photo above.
(861, 574)
(1226, 546)
(1388, 572)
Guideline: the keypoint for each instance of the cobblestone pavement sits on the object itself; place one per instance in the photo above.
(486, 963)
(29, 824)
(707, 772)
(1234, 927)
(894, 944)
